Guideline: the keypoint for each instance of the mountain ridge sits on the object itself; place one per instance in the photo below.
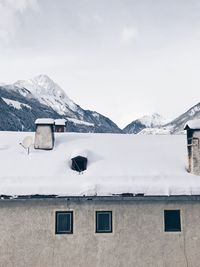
(147, 121)
(22, 102)
(47, 99)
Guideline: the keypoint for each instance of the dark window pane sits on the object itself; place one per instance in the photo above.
(172, 220)
(64, 222)
(103, 221)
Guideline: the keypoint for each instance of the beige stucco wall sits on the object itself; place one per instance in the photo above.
(28, 237)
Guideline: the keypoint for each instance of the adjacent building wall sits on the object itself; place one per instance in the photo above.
(28, 237)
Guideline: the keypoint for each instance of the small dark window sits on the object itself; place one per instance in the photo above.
(64, 222)
(172, 220)
(103, 221)
(79, 164)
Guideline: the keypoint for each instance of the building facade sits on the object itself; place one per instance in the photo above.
(138, 236)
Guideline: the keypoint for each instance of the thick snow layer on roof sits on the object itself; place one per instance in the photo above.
(193, 124)
(81, 153)
(153, 165)
(44, 121)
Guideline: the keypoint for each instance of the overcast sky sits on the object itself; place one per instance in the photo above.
(122, 58)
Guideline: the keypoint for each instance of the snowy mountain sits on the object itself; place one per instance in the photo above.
(156, 124)
(24, 101)
(49, 93)
(150, 121)
(177, 125)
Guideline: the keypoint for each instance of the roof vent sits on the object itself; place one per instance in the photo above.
(79, 161)
(44, 134)
(79, 164)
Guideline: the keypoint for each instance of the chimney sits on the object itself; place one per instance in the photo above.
(44, 134)
(60, 125)
(193, 144)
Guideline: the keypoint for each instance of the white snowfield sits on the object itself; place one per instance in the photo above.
(75, 121)
(153, 120)
(16, 104)
(138, 164)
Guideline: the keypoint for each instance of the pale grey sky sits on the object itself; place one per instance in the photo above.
(123, 58)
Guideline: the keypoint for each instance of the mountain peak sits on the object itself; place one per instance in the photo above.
(153, 120)
(48, 92)
(147, 121)
(43, 79)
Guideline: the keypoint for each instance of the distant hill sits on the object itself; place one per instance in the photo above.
(152, 121)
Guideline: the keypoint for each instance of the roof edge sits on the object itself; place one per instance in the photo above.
(134, 198)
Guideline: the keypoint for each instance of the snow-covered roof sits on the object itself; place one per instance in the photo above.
(44, 121)
(81, 153)
(193, 124)
(60, 122)
(138, 164)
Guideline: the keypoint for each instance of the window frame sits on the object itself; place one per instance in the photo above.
(175, 230)
(71, 223)
(110, 222)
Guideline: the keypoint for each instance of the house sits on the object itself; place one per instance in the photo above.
(135, 203)
(60, 125)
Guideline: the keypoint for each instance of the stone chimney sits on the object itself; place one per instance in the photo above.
(60, 125)
(193, 144)
(44, 134)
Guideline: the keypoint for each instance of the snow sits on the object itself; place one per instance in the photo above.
(44, 121)
(49, 93)
(60, 122)
(82, 153)
(16, 104)
(95, 114)
(152, 165)
(193, 124)
(156, 131)
(153, 120)
(75, 121)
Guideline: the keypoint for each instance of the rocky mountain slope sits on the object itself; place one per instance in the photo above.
(177, 125)
(24, 101)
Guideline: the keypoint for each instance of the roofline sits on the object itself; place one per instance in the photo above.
(114, 198)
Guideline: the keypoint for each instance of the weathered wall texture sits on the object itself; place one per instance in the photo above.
(28, 237)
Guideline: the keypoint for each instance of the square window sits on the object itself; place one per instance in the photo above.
(64, 222)
(103, 221)
(172, 220)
